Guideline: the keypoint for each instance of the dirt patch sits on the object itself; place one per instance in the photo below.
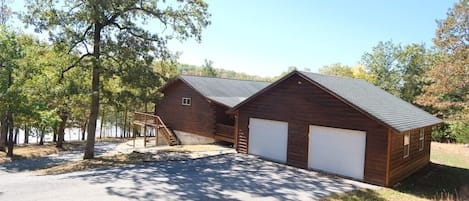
(116, 140)
(34, 151)
(113, 160)
(100, 161)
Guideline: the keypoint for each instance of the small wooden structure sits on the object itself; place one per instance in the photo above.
(154, 121)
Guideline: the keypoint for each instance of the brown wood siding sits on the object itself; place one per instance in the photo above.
(401, 167)
(305, 104)
(199, 118)
(220, 114)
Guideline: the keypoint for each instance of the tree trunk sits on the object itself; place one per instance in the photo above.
(89, 150)
(4, 133)
(10, 142)
(102, 124)
(17, 131)
(7, 121)
(83, 132)
(129, 127)
(117, 122)
(41, 138)
(61, 131)
(26, 134)
(54, 136)
(125, 122)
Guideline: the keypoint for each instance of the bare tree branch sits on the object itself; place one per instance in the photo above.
(82, 39)
(74, 64)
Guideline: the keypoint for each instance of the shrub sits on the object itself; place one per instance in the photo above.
(460, 130)
(442, 133)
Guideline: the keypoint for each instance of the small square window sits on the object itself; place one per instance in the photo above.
(406, 144)
(186, 101)
(421, 139)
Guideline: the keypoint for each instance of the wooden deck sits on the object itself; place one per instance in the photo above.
(225, 133)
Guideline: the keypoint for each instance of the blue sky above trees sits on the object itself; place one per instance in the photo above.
(265, 37)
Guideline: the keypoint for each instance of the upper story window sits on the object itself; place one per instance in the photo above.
(186, 101)
(421, 139)
(406, 144)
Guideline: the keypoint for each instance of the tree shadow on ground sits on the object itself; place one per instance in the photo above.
(225, 177)
(437, 181)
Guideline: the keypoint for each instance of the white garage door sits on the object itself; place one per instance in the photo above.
(338, 151)
(268, 139)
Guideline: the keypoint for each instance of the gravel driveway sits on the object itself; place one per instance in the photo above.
(222, 177)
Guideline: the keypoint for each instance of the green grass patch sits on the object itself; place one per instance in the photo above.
(456, 155)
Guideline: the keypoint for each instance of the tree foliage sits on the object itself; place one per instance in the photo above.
(208, 69)
(381, 64)
(399, 69)
(357, 71)
(11, 79)
(448, 91)
(337, 69)
(114, 32)
(187, 69)
(5, 12)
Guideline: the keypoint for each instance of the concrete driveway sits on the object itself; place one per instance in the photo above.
(222, 177)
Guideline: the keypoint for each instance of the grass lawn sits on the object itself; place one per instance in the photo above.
(446, 178)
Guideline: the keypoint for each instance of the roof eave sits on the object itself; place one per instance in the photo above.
(435, 124)
(236, 107)
(170, 82)
(179, 77)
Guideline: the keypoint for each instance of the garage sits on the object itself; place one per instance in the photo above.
(268, 139)
(338, 151)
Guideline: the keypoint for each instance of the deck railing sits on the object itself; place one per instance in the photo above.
(225, 130)
(148, 119)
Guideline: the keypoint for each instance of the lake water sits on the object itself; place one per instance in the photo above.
(71, 134)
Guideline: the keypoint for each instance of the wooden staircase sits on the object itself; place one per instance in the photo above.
(168, 134)
(147, 119)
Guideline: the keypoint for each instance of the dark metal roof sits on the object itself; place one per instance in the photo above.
(393, 111)
(228, 92)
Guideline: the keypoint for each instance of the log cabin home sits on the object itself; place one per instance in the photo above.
(337, 125)
(195, 107)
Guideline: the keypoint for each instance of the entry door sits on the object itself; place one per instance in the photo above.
(268, 139)
(338, 151)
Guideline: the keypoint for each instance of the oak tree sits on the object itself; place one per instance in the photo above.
(448, 91)
(107, 30)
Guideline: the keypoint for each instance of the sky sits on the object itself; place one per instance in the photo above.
(265, 37)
